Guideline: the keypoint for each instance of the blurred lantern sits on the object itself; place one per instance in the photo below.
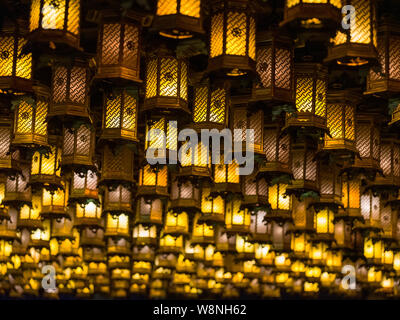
(30, 124)
(202, 233)
(255, 192)
(78, 147)
(373, 249)
(117, 200)
(351, 195)
(16, 67)
(310, 87)
(386, 80)
(144, 234)
(16, 190)
(260, 230)
(54, 204)
(195, 161)
(46, 166)
(244, 248)
(233, 37)
(55, 20)
(88, 215)
(281, 237)
(225, 243)
(274, 67)
(237, 220)
(279, 201)
(69, 90)
(166, 83)
(149, 211)
(117, 165)
(185, 195)
(171, 244)
(153, 181)
(212, 208)
(118, 50)
(176, 224)
(9, 163)
(211, 105)
(312, 14)
(341, 123)
(117, 225)
(83, 186)
(370, 206)
(120, 116)
(244, 120)
(178, 19)
(357, 45)
(29, 215)
(226, 177)
(92, 243)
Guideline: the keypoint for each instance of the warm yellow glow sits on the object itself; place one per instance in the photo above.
(117, 223)
(211, 205)
(323, 221)
(277, 197)
(373, 248)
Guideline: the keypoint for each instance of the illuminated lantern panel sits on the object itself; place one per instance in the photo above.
(178, 19)
(193, 160)
(356, 46)
(255, 192)
(226, 176)
(118, 52)
(55, 20)
(341, 122)
(69, 90)
(279, 201)
(233, 37)
(212, 208)
(54, 204)
(84, 185)
(87, 215)
(15, 69)
(274, 66)
(8, 159)
(117, 225)
(323, 222)
(389, 163)
(373, 249)
(120, 116)
(29, 216)
(202, 233)
(171, 244)
(310, 94)
(166, 84)
(117, 200)
(211, 105)
(351, 195)
(149, 210)
(78, 146)
(30, 125)
(117, 165)
(144, 234)
(330, 184)
(237, 220)
(185, 195)
(153, 181)
(176, 223)
(312, 13)
(371, 210)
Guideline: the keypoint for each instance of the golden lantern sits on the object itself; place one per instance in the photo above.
(255, 191)
(243, 119)
(117, 225)
(312, 13)
(69, 90)
(9, 163)
(166, 83)
(185, 195)
(351, 195)
(259, 228)
(304, 168)
(274, 67)
(373, 249)
(149, 211)
(211, 104)
(225, 243)
(195, 161)
(370, 207)
(178, 19)
(277, 152)
(92, 243)
(202, 233)
(341, 122)
(244, 248)
(176, 224)
(40, 239)
(55, 20)
(54, 204)
(237, 220)
(64, 238)
(212, 208)
(280, 203)
(118, 50)
(323, 222)
(357, 45)
(16, 69)
(83, 186)
(117, 165)
(153, 181)
(171, 244)
(88, 215)
(387, 80)
(117, 200)
(343, 235)
(233, 37)
(144, 234)
(78, 146)
(29, 214)
(30, 124)
(311, 82)
(8, 226)
(120, 116)
(226, 177)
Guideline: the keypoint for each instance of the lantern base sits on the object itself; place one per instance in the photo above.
(60, 37)
(29, 224)
(15, 85)
(231, 65)
(274, 96)
(352, 54)
(54, 212)
(144, 241)
(92, 223)
(153, 191)
(29, 140)
(169, 104)
(187, 205)
(177, 26)
(117, 74)
(306, 120)
(118, 134)
(383, 86)
(69, 110)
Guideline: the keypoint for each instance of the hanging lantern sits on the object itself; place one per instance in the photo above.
(117, 225)
(312, 13)
(117, 200)
(92, 243)
(55, 20)
(357, 46)
(233, 37)
(274, 67)
(351, 195)
(176, 224)
(8, 230)
(341, 122)
(149, 211)
(237, 220)
(153, 181)
(184, 196)
(343, 236)
(88, 215)
(226, 177)
(195, 162)
(373, 249)
(54, 204)
(178, 19)
(280, 232)
(120, 116)
(46, 167)
(304, 168)
(277, 152)
(202, 233)
(166, 83)
(370, 207)
(280, 203)
(83, 186)
(16, 68)
(30, 124)
(330, 186)
(118, 50)
(243, 120)
(260, 230)
(145, 235)
(16, 190)
(69, 90)
(212, 208)
(211, 105)
(78, 147)
(171, 244)
(117, 165)
(29, 216)
(387, 79)
(310, 86)
(8, 160)
(255, 192)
